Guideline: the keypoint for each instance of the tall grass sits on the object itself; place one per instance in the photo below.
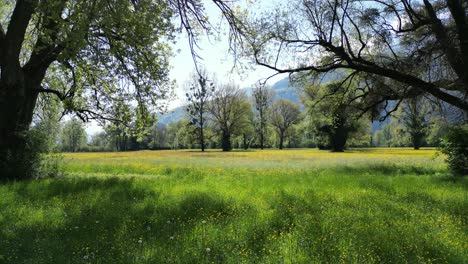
(295, 206)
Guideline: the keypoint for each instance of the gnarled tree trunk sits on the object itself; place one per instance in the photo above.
(18, 95)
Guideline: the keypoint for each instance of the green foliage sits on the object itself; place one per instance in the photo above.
(73, 135)
(438, 127)
(262, 99)
(415, 118)
(231, 113)
(284, 114)
(198, 95)
(455, 146)
(334, 112)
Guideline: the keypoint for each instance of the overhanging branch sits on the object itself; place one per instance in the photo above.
(60, 95)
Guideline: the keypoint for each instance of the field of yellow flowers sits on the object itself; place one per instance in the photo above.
(271, 206)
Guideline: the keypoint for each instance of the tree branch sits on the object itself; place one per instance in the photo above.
(440, 31)
(17, 29)
(60, 95)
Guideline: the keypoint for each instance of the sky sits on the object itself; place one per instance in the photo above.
(215, 58)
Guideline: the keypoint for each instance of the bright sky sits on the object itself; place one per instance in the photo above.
(216, 58)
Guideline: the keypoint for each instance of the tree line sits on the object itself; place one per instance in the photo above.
(222, 116)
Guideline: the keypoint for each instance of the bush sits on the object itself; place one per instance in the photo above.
(39, 156)
(455, 146)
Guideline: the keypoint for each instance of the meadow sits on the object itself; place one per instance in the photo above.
(290, 206)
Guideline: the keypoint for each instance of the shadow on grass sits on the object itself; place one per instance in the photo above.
(387, 169)
(127, 220)
(113, 220)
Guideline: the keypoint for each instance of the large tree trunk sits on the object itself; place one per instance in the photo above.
(17, 102)
(417, 141)
(226, 141)
(338, 139)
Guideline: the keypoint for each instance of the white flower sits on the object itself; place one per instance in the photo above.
(140, 241)
(97, 222)
(85, 257)
(204, 222)
(171, 238)
(208, 250)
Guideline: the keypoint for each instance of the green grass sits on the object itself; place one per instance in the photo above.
(292, 206)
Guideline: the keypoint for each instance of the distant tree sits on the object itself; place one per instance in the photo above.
(46, 122)
(438, 127)
(198, 95)
(246, 132)
(415, 119)
(263, 97)
(229, 110)
(180, 134)
(100, 141)
(155, 137)
(129, 125)
(284, 114)
(73, 135)
(334, 113)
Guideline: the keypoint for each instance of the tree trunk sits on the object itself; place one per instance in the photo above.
(338, 139)
(245, 141)
(262, 133)
(226, 141)
(281, 135)
(417, 140)
(17, 102)
(202, 139)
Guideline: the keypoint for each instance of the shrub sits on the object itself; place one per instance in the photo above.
(455, 146)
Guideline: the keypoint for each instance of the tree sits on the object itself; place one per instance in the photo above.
(198, 95)
(332, 108)
(157, 136)
(81, 52)
(73, 135)
(284, 114)
(263, 97)
(99, 141)
(401, 48)
(229, 109)
(416, 120)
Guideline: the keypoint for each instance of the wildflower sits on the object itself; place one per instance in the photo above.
(204, 222)
(140, 241)
(171, 238)
(208, 250)
(97, 222)
(85, 257)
